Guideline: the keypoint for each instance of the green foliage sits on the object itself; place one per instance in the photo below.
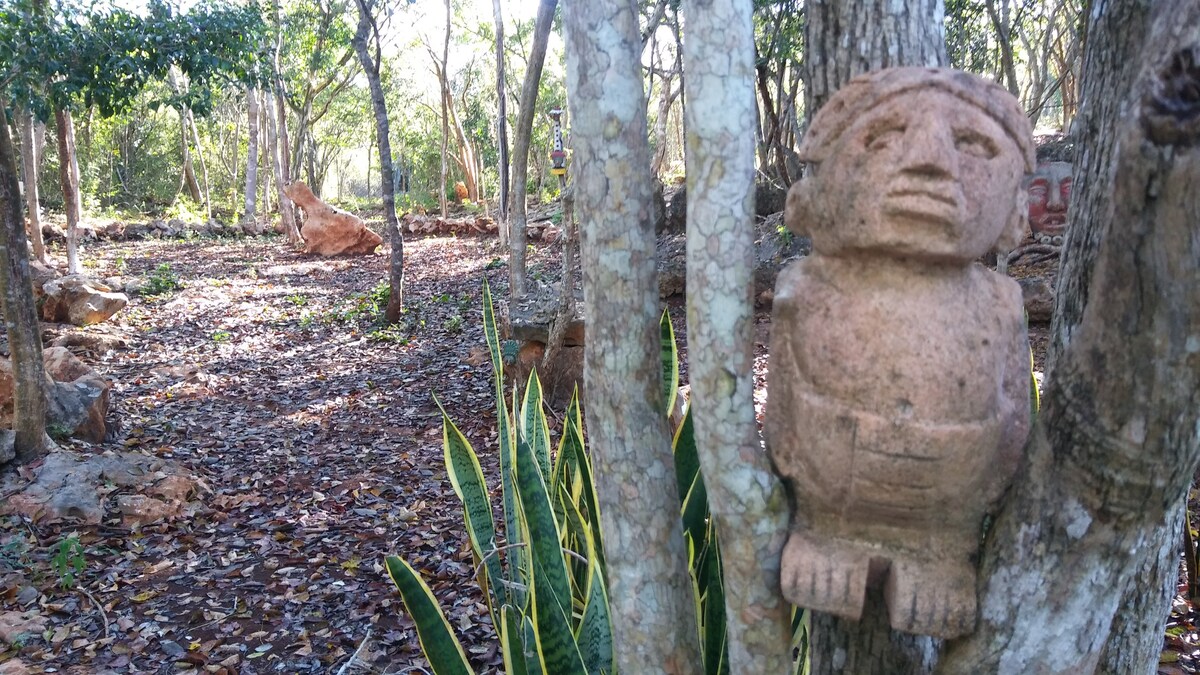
(221, 336)
(162, 280)
(68, 560)
(545, 585)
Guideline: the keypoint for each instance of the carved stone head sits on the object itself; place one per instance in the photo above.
(1049, 191)
(916, 163)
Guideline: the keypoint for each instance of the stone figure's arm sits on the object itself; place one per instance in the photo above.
(1018, 378)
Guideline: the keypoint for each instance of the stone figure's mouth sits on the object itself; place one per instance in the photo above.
(937, 206)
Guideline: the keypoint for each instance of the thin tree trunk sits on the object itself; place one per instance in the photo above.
(1114, 448)
(850, 37)
(68, 172)
(188, 178)
(265, 153)
(501, 126)
(649, 589)
(1004, 39)
(250, 211)
(442, 75)
(370, 65)
(524, 131)
(745, 496)
(286, 212)
(31, 160)
(207, 201)
(20, 313)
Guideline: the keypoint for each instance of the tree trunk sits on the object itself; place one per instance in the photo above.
(20, 313)
(370, 65)
(68, 173)
(188, 179)
(287, 214)
(442, 75)
(524, 131)
(850, 37)
(250, 211)
(1111, 67)
(654, 626)
(207, 199)
(1114, 448)
(742, 489)
(846, 38)
(31, 161)
(501, 126)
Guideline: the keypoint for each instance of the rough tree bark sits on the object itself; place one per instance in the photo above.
(368, 30)
(501, 124)
(1115, 448)
(287, 212)
(846, 38)
(250, 212)
(31, 161)
(649, 587)
(20, 313)
(524, 132)
(850, 37)
(68, 174)
(746, 498)
(445, 119)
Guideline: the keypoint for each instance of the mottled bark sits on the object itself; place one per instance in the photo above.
(501, 125)
(367, 30)
(250, 211)
(445, 176)
(287, 211)
(20, 313)
(187, 177)
(654, 616)
(1116, 444)
(524, 132)
(745, 496)
(850, 37)
(31, 160)
(846, 38)
(68, 174)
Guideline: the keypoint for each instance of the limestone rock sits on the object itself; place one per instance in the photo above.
(14, 667)
(8, 445)
(80, 301)
(1038, 298)
(15, 625)
(139, 510)
(77, 397)
(328, 230)
(42, 275)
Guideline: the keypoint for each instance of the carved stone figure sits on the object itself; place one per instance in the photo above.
(1049, 194)
(899, 379)
(328, 229)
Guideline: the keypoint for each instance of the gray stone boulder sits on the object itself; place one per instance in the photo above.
(80, 300)
(77, 397)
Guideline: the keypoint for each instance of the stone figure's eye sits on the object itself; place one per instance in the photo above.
(971, 142)
(1038, 192)
(1066, 187)
(882, 136)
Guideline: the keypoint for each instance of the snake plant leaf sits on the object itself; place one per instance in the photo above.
(466, 477)
(533, 428)
(511, 646)
(800, 642)
(443, 650)
(594, 634)
(533, 662)
(687, 458)
(544, 536)
(556, 646)
(715, 642)
(670, 363)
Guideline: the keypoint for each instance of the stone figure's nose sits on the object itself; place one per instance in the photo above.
(930, 152)
(1055, 201)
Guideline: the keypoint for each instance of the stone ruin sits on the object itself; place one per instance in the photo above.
(329, 230)
(899, 375)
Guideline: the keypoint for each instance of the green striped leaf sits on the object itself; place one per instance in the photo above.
(556, 645)
(466, 477)
(687, 458)
(670, 363)
(594, 635)
(543, 537)
(533, 661)
(800, 641)
(443, 650)
(715, 643)
(533, 423)
(511, 647)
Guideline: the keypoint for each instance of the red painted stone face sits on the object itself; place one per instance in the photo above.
(1049, 194)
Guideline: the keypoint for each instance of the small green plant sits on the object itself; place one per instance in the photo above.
(297, 299)
(14, 553)
(495, 264)
(162, 280)
(454, 324)
(119, 264)
(394, 334)
(58, 431)
(68, 560)
(221, 336)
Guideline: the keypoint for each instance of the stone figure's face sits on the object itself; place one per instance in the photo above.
(1049, 193)
(922, 174)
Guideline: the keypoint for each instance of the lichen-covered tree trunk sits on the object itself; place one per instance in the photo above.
(1115, 446)
(287, 212)
(850, 37)
(846, 38)
(745, 496)
(31, 160)
(524, 132)
(251, 194)
(68, 174)
(654, 619)
(367, 30)
(501, 125)
(20, 313)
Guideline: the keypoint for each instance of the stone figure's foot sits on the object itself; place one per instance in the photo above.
(931, 597)
(824, 576)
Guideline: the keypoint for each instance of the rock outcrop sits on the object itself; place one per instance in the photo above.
(77, 396)
(80, 300)
(329, 230)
